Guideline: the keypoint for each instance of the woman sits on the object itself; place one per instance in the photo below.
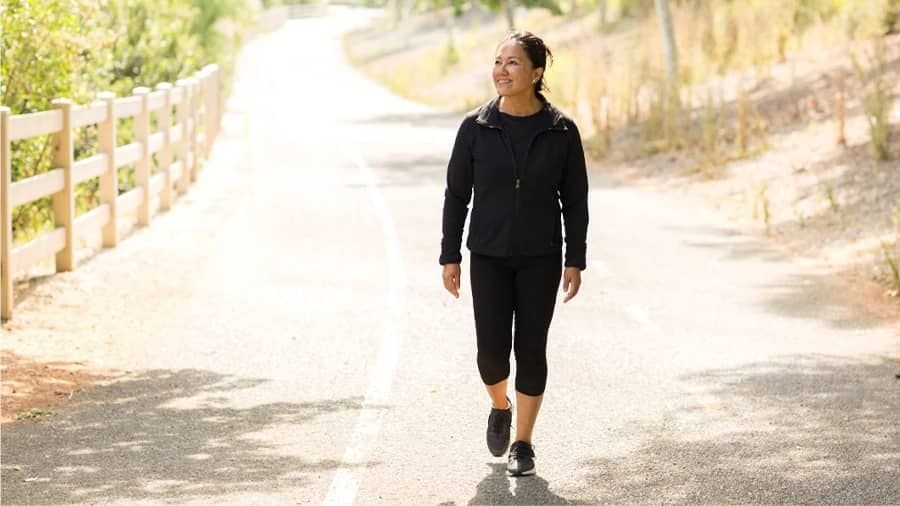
(523, 158)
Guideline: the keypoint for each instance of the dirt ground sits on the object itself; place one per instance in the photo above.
(32, 389)
(829, 204)
(39, 375)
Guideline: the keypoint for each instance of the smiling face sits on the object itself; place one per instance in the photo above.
(514, 74)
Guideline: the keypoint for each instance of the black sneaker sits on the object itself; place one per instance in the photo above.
(498, 429)
(521, 459)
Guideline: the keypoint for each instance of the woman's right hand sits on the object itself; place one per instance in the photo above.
(451, 278)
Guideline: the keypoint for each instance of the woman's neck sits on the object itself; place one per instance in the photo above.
(520, 105)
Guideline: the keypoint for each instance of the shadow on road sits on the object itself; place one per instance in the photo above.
(440, 119)
(161, 435)
(403, 170)
(824, 431)
(494, 489)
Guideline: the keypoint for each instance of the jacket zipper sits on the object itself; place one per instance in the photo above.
(512, 156)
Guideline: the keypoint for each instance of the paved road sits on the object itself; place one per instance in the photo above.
(289, 341)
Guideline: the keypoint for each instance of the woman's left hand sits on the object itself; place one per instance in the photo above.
(571, 282)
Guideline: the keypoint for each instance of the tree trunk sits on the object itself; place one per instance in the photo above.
(397, 12)
(601, 13)
(670, 50)
(671, 106)
(510, 7)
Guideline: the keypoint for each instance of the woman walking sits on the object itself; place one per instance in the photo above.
(525, 163)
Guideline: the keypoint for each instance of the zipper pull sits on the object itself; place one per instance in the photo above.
(517, 183)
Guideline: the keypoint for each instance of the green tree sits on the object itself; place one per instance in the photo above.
(49, 50)
(508, 7)
(152, 45)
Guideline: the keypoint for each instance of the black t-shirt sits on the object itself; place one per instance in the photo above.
(520, 130)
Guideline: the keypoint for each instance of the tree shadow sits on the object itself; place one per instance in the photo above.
(818, 297)
(494, 489)
(160, 435)
(810, 429)
(860, 193)
(398, 170)
(743, 248)
(818, 87)
(437, 119)
(406, 170)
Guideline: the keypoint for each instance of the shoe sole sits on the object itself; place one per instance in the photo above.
(502, 453)
(530, 472)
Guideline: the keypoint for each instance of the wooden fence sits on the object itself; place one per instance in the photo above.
(179, 143)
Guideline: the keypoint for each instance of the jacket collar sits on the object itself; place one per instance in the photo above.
(489, 114)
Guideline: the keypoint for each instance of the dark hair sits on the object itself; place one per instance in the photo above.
(537, 52)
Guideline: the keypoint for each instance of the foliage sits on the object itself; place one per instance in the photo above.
(32, 414)
(151, 45)
(450, 56)
(49, 50)
(892, 264)
(877, 99)
(551, 5)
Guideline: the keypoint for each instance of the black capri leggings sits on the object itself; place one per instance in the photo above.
(521, 286)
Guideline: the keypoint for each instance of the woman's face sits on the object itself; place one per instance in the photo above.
(513, 72)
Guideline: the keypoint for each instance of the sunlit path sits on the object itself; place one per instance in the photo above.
(286, 334)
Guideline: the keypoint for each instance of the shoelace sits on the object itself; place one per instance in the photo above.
(497, 422)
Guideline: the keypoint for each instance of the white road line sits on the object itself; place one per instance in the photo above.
(345, 484)
(600, 269)
(638, 314)
(641, 315)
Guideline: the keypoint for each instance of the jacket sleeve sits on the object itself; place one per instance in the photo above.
(457, 195)
(573, 194)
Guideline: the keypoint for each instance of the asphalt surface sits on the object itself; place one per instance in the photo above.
(289, 340)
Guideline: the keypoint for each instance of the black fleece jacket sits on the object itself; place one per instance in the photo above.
(516, 210)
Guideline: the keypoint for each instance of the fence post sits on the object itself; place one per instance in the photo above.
(142, 167)
(195, 126)
(217, 106)
(6, 238)
(164, 157)
(212, 104)
(184, 146)
(204, 93)
(220, 100)
(64, 200)
(109, 180)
